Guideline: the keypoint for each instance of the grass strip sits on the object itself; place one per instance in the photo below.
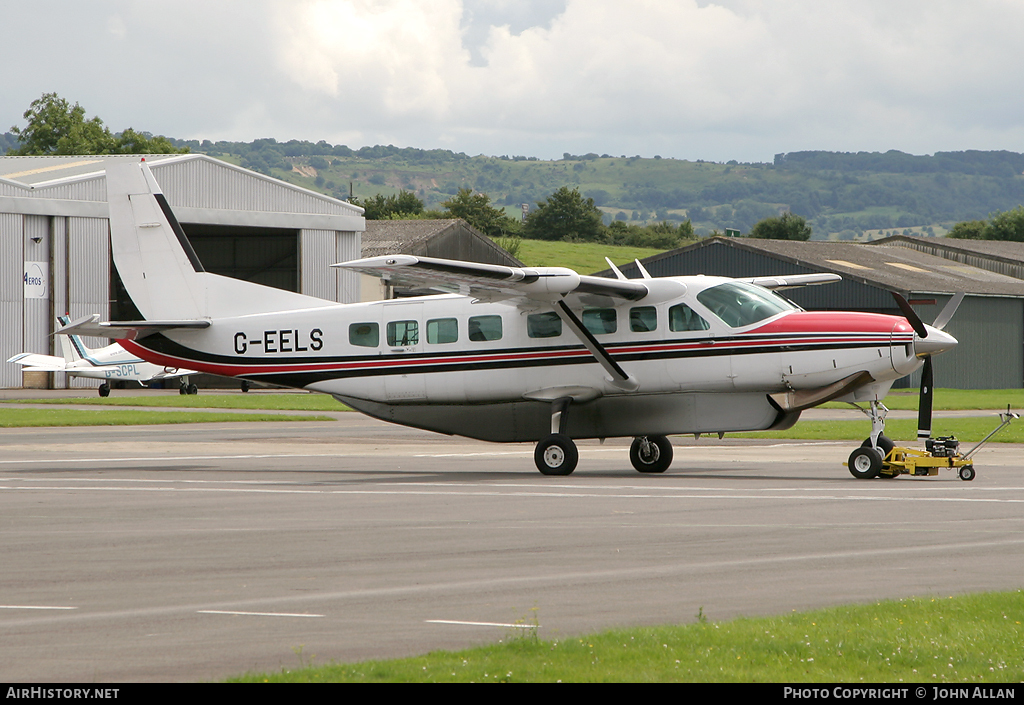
(267, 401)
(945, 400)
(902, 431)
(941, 640)
(22, 418)
(950, 400)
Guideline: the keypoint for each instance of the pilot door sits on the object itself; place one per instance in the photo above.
(403, 338)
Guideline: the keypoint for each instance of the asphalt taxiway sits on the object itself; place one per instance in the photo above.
(194, 552)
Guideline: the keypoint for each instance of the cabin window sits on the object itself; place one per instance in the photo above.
(683, 318)
(739, 304)
(442, 330)
(402, 333)
(643, 319)
(600, 321)
(366, 335)
(483, 328)
(544, 325)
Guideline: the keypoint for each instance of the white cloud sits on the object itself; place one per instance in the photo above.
(689, 78)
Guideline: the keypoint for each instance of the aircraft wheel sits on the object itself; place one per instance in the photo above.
(966, 473)
(245, 385)
(654, 455)
(556, 455)
(885, 445)
(182, 390)
(104, 390)
(865, 463)
(193, 389)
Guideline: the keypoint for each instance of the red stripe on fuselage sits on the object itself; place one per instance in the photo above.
(834, 322)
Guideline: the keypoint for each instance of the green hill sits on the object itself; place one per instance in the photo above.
(844, 196)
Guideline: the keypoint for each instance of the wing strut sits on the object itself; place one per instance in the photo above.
(619, 377)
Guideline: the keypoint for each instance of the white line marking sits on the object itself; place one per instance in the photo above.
(481, 624)
(35, 607)
(591, 493)
(259, 614)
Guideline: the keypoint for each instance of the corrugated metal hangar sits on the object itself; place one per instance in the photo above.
(55, 249)
(989, 323)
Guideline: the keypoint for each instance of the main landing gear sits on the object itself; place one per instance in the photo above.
(185, 388)
(104, 389)
(556, 454)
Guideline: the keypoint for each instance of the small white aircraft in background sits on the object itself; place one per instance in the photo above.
(110, 363)
(517, 354)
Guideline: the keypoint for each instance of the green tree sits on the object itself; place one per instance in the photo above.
(476, 209)
(968, 230)
(1007, 225)
(784, 227)
(54, 126)
(565, 215)
(403, 206)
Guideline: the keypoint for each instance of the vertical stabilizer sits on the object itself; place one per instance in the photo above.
(159, 268)
(157, 265)
(71, 345)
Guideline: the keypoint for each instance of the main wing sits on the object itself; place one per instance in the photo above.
(790, 281)
(492, 282)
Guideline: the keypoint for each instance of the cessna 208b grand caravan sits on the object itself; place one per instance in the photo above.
(514, 354)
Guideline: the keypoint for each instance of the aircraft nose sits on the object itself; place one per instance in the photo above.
(937, 342)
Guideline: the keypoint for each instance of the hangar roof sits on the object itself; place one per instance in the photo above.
(451, 239)
(894, 268)
(196, 185)
(37, 171)
(1000, 256)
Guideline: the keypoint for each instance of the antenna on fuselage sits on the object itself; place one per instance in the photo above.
(642, 270)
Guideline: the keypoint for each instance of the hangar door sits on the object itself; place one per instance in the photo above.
(268, 256)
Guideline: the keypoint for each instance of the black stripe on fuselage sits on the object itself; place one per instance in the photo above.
(419, 363)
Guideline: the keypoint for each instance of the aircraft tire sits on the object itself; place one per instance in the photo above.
(659, 456)
(104, 390)
(193, 389)
(885, 444)
(556, 455)
(245, 385)
(865, 463)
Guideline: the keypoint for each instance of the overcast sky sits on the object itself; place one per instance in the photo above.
(690, 79)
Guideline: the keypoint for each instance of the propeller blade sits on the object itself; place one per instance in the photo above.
(924, 402)
(948, 310)
(911, 315)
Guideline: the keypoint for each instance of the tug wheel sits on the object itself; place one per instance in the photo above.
(865, 463)
(966, 473)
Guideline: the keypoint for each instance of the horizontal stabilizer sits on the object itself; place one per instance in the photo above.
(790, 281)
(125, 330)
(47, 363)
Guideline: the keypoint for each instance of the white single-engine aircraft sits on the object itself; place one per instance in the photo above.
(112, 362)
(516, 354)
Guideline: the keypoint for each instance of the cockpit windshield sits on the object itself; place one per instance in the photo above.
(740, 304)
